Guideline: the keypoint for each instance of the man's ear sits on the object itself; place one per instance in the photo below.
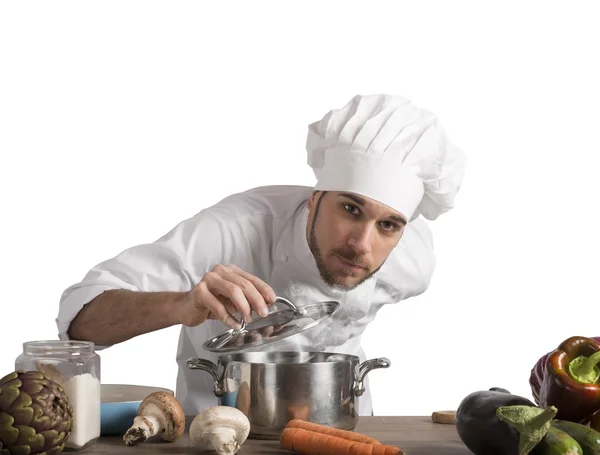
(312, 200)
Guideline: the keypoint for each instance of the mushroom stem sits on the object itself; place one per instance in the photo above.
(160, 413)
(220, 429)
(225, 441)
(143, 428)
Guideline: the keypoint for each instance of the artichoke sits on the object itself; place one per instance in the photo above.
(35, 414)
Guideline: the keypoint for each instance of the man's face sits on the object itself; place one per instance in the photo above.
(350, 236)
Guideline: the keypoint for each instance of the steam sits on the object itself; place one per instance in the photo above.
(350, 319)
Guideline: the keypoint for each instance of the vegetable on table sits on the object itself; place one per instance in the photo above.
(557, 442)
(496, 422)
(588, 438)
(221, 429)
(327, 430)
(569, 379)
(308, 442)
(595, 421)
(35, 414)
(160, 413)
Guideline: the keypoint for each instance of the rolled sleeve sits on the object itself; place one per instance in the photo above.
(175, 262)
(73, 300)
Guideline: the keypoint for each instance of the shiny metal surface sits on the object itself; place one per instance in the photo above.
(276, 326)
(293, 307)
(272, 388)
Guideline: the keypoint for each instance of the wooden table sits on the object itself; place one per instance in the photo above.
(415, 435)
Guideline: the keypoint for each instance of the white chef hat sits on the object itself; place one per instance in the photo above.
(387, 149)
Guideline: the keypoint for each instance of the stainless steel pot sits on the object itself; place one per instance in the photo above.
(271, 388)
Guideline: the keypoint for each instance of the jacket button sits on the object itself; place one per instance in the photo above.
(296, 288)
(284, 257)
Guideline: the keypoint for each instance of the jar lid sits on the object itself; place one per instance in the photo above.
(276, 326)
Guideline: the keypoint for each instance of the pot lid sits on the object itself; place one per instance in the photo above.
(276, 326)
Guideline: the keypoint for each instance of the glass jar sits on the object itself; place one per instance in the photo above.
(74, 365)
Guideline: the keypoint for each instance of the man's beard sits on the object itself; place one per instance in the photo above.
(347, 255)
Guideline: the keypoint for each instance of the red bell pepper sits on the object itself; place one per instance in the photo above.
(569, 379)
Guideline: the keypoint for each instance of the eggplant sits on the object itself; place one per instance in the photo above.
(496, 422)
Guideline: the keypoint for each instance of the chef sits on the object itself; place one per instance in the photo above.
(357, 237)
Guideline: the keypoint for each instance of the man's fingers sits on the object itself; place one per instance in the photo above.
(248, 284)
(266, 331)
(229, 307)
(253, 295)
(223, 287)
(263, 288)
(217, 309)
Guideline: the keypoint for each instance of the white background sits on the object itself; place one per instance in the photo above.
(118, 119)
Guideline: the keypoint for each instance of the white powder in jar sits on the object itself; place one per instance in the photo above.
(84, 395)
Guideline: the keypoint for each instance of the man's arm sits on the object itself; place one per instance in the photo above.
(168, 282)
(119, 315)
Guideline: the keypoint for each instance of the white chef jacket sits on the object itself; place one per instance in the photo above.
(263, 231)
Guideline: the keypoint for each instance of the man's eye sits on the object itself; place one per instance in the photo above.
(351, 208)
(389, 226)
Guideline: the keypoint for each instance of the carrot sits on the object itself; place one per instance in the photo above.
(308, 442)
(324, 429)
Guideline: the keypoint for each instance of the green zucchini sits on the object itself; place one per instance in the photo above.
(557, 442)
(588, 438)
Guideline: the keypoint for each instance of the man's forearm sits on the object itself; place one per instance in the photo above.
(118, 315)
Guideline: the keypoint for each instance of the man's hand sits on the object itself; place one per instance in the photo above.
(117, 315)
(224, 291)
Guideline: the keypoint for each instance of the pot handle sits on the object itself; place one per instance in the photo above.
(210, 367)
(364, 368)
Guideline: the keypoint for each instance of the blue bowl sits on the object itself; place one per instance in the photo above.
(119, 406)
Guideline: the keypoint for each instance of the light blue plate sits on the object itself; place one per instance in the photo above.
(120, 403)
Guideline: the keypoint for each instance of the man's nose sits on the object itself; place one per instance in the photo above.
(360, 239)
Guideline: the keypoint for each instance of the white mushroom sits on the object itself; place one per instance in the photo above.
(160, 413)
(222, 429)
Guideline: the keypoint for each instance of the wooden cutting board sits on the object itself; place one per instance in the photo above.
(444, 417)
